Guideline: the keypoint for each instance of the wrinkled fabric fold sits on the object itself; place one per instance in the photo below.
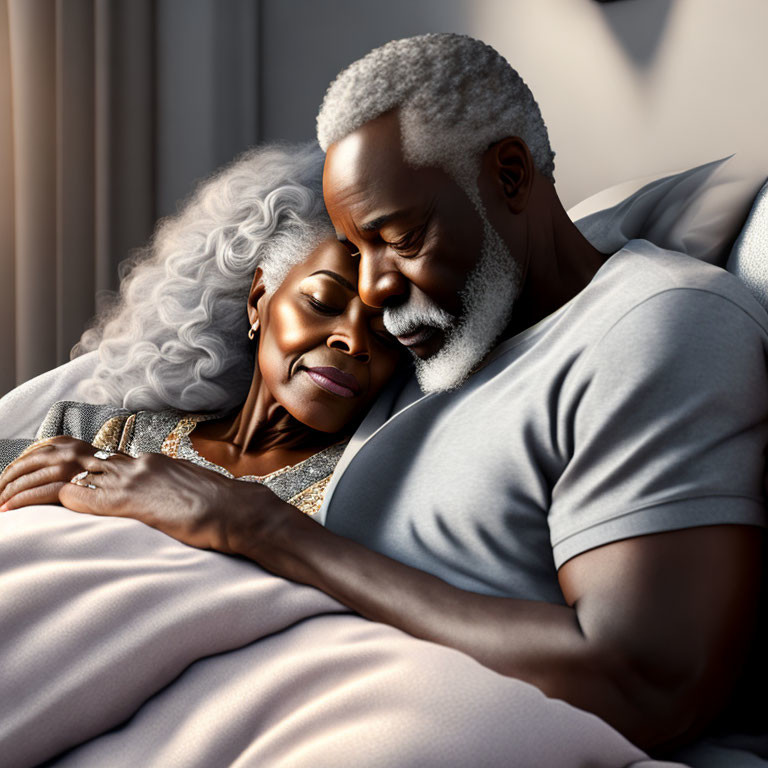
(129, 648)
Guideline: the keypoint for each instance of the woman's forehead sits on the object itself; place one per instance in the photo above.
(330, 254)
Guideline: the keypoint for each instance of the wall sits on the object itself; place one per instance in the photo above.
(628, 88)
(206, 89)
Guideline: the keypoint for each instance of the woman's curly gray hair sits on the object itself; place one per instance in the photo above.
(177, 335)
(456, 96)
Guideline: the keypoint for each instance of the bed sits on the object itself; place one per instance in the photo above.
(120, 646)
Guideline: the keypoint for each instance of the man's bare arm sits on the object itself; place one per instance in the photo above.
(652, 639)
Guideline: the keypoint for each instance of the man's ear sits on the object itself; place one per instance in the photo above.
(257, 292)
(513, 169)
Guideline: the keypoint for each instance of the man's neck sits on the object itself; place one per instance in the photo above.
(560, 264)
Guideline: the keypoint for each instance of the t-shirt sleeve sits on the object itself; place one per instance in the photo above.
(666, 422)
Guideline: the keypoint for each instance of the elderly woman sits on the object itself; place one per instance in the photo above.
(239, 343)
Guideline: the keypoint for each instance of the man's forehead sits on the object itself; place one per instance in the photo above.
(366, 177)
(371, 156)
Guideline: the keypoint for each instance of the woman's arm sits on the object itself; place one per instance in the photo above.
(651, 639)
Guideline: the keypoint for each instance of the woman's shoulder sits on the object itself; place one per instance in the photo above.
(110, 426)
(65, 417)
(80, 420)
(149, 430)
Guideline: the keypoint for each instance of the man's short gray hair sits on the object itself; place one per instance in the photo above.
(456, 96)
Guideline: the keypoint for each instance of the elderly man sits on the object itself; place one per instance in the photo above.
(580, 486)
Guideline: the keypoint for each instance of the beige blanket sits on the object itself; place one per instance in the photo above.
(128, 648)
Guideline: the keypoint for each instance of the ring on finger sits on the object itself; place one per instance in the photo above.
(79, 479)
(103, 455)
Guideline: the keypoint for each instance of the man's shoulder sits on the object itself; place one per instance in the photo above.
(641, 272)
(650, 311)
(644, 299)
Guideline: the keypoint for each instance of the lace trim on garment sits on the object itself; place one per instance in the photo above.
(303, 484)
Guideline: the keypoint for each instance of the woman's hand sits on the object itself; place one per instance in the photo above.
(38, 475)
(194, 505)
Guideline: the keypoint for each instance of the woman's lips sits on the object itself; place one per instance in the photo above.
(333, 380)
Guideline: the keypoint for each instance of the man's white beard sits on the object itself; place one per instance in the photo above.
(487, 300)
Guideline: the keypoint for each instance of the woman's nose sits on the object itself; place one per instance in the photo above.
(353, 338)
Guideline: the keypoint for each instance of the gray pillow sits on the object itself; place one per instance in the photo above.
(749, 256)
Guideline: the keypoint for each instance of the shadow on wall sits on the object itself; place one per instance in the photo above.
(638, 26)
(305, 44)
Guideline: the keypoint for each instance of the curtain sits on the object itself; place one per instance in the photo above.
(110, 110)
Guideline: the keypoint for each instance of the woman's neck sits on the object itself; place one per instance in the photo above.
(259, 438)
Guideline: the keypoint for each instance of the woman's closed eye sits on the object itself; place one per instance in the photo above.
(323, 307)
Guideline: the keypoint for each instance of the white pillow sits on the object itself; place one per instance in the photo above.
(698, 212)
(23, 409)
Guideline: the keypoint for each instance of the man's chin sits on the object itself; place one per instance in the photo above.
(446, 369)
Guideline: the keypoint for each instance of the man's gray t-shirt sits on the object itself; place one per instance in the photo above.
(640, 406)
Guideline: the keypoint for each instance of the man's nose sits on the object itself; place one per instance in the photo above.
(380, 283)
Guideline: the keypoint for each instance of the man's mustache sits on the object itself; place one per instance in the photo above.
(419, 310)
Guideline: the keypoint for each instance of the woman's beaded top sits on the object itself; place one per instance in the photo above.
(117, 429)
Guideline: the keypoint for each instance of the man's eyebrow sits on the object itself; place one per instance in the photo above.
(372, 225)
(338, 278)
(380, 221)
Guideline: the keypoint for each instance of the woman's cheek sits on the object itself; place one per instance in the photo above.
(292, 330)
(279, 345)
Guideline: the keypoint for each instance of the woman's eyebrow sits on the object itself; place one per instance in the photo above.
(338, 278)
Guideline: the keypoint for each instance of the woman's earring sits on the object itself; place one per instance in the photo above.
(253, 330)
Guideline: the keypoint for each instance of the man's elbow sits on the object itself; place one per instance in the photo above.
(669, 701)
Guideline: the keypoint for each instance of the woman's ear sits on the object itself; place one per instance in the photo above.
(257, 292)
(514, 170)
